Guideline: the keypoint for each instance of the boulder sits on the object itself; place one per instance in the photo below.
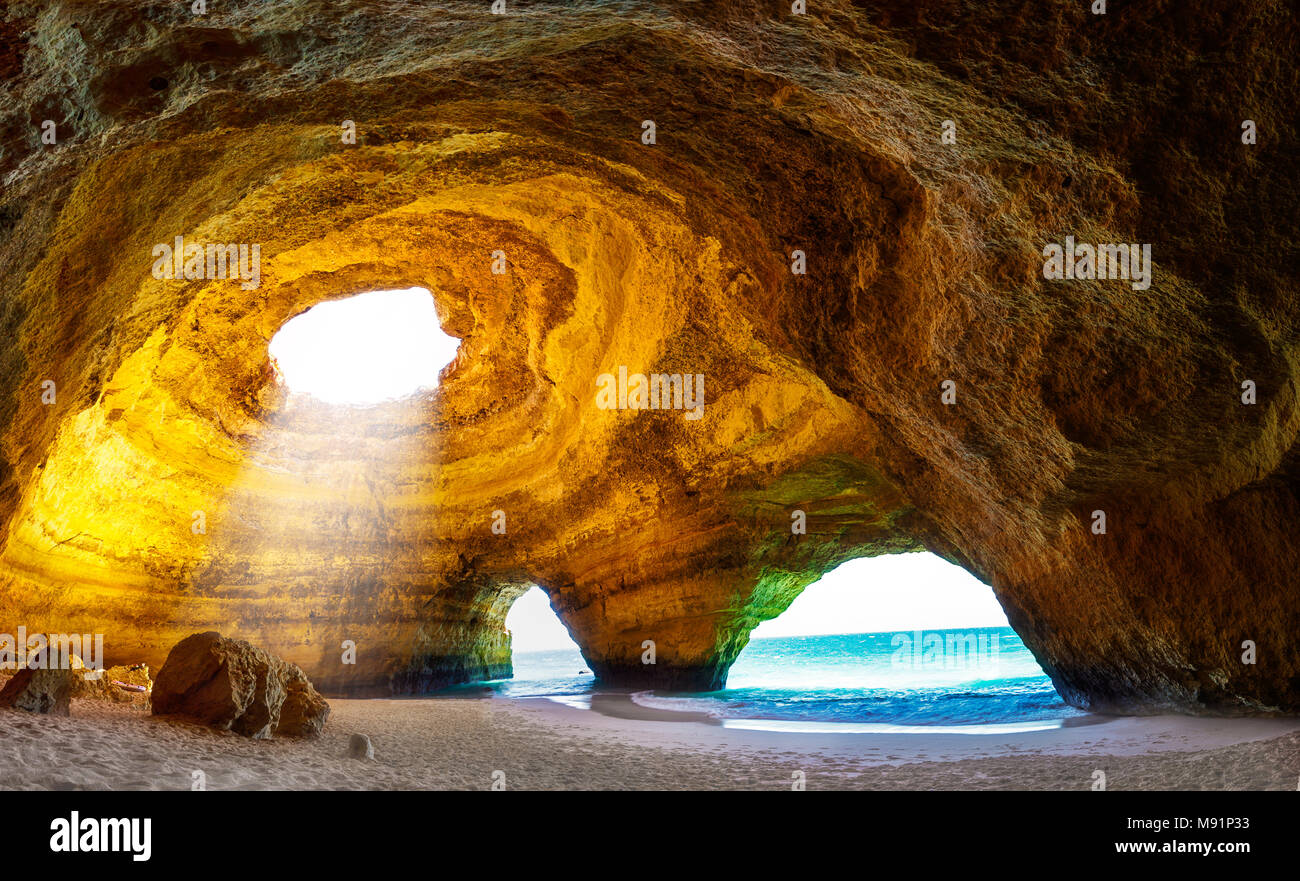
(39, 690)
(234, 686)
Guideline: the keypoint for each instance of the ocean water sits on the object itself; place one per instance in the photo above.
(979, 676)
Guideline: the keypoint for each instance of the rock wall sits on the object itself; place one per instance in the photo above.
(773, 133)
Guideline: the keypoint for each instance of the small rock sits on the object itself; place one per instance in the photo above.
(106, 685)
(359, 747)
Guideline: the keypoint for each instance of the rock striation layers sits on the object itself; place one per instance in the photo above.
(652, 176)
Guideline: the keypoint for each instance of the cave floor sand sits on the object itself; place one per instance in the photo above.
(438, 743)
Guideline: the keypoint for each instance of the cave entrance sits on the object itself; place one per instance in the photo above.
(891, 643)
(363, 350)
(545, 658)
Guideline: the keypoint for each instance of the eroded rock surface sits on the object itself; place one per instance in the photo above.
(106, 685)
(40, 690)
(774, 133)
(234, 686)
(360, 747)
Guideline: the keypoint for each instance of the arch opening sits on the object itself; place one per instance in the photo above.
(363, 350)
(886, 643)
(545, 658)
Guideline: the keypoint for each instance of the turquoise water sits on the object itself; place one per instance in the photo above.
(976, 676)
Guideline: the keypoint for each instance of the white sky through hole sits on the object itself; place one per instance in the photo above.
(534, 626)
(899, 592)
(362, 350)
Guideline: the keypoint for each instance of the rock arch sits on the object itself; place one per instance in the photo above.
(923, 266)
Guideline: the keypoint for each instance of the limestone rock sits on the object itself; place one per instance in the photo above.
(232, 685)
(39, 690)
(101, 684)
(923, 265)
(304, 711)
(360, 747)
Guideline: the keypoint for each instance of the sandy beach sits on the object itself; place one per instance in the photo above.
(458, 743)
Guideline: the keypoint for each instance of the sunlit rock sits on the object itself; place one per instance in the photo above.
(860, 285)
(234, 686)
(123, 684)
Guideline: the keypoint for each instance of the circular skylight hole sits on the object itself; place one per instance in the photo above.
(364, 350)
